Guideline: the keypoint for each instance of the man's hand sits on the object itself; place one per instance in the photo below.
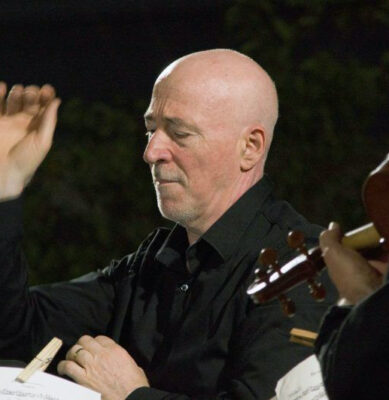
(103, 366)
(28, 118)
(354, 277)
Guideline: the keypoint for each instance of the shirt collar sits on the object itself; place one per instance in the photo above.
(172, 251)
(224, 235)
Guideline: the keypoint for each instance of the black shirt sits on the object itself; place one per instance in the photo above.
(183, 312)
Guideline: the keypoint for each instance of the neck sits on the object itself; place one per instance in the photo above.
(193, 237)
(196, 228)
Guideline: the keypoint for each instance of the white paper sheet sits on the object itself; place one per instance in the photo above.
(303, 382)
(41, 386)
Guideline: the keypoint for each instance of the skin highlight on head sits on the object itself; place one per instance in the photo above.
(210, 124)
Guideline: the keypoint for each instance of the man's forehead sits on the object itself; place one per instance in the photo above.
(169, 111)
(169, 99)
(167, 72)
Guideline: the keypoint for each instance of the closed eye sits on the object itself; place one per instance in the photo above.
(181, 134)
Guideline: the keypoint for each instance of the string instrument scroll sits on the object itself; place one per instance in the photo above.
(371, 240)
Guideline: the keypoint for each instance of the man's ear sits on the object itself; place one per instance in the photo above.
(253, 143)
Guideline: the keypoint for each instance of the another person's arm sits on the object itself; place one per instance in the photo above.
(354, 277)
(352, 345)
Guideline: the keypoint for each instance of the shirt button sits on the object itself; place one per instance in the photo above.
(184, 287)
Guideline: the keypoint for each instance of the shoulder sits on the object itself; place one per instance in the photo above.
(278, 212)
(283, 215)
(281, 218)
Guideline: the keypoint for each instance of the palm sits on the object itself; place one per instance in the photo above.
(26, 129)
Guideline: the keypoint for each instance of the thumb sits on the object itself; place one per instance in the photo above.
(48, 122)
(331, 236)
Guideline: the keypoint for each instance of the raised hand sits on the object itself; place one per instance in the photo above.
(28, 116)
(104, 366)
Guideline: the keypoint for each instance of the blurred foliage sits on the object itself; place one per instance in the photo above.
(92, 200)
(329, 59)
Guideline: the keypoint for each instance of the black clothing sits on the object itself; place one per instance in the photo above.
(353, 349)
(182, 313)
(12, 363)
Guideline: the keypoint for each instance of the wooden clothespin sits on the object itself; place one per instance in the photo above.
(302, 336)
(41, 361)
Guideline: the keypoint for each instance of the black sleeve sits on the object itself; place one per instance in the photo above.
(353, 349)
(32, 316)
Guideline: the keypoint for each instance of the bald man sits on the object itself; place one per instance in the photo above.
(172, 320)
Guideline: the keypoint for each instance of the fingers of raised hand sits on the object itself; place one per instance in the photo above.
(36, 99)
(46, 95)
(31, 103)
(48, 122)
(3, 92)
(14, 101)
(30, 99)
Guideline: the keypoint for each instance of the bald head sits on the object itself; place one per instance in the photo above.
(210, 123)
(233, 85)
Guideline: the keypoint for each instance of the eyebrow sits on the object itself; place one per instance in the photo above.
(173, 121)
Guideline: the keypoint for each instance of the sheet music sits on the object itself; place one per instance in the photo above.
(41, 386)
(303, 382)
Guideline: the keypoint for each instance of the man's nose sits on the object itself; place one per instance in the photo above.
(158, 148)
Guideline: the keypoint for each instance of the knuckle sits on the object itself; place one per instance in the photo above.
(31, 87)
(71, 351)
(18, 86)
(84, 339)
(103, 339)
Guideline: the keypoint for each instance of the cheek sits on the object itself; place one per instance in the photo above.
(209, 166)
(215, 171)
(223, 159)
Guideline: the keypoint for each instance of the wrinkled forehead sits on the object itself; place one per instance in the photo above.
(198, 93)
(166, 97)
(177, 96)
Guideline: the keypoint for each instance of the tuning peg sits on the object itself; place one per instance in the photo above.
(268, 258)
(316, 289)
(287, 305)
(261, 274)
(296, 241)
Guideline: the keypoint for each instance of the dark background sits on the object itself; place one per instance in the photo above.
(100, 49)
(92, 199)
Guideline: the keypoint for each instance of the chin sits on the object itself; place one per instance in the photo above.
(175, 213)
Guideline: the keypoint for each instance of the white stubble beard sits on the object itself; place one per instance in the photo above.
(182, 213)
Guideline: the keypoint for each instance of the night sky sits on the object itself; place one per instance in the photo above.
(101, 49)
